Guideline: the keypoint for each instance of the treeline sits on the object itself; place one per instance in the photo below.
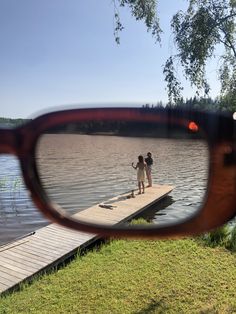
(223, 103)
(12, 122)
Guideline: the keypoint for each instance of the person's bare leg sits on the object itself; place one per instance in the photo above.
(143, 187)
(139, 187)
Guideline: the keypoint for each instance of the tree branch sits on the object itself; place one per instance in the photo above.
(230, 44)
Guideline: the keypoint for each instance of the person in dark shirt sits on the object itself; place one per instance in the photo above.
(149, 162)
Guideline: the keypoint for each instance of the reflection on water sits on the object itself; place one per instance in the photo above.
(81, 170)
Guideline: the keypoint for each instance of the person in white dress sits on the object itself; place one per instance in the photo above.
(141, 166)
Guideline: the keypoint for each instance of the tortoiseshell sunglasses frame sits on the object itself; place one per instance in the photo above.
(218, 206)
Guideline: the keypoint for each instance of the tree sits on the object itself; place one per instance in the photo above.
(198, 32)
(141, 10)
(207, 27)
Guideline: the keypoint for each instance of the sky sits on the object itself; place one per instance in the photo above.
(63, 52)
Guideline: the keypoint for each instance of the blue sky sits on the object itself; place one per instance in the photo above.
(63, 52)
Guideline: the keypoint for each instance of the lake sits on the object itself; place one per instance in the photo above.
(81, 170)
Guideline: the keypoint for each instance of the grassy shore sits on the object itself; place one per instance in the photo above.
(180, 276)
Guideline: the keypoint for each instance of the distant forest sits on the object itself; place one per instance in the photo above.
(8, 122)
(201, 103)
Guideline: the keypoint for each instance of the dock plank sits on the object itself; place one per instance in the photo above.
(20, 260)
(19, 277)
(47, 251)
(35, 251)
(3, 287)
(21, 263)
(32, 255)
(6, 279)
(21, 270)
(23, 257)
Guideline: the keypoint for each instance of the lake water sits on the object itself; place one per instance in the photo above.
(81, 170)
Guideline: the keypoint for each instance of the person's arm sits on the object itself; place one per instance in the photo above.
(135, 167)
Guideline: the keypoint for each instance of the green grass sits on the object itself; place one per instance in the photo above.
(221, 236)
(231, 245)
(178, 276)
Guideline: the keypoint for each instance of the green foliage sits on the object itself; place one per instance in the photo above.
(173, 85)
(3, 184)
(12, 122)
(231, 245)
(139, 221)
(224, 236)
(198, 32)
(223, 103)
(228, 102)
(217, 237)
(206, 25)
(141, 11)
(200, 103)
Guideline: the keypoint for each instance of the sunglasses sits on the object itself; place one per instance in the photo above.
(83, 170)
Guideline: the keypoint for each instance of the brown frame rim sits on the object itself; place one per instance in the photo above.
(199, 222)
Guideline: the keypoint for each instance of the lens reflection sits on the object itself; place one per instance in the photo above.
(82, 169)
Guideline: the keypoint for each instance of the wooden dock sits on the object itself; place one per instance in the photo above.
(49, 246)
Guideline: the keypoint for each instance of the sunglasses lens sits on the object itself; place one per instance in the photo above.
(86, 168)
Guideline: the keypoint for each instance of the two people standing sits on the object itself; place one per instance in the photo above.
(144, 167)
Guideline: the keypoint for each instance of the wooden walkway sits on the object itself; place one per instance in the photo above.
(21, 260)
